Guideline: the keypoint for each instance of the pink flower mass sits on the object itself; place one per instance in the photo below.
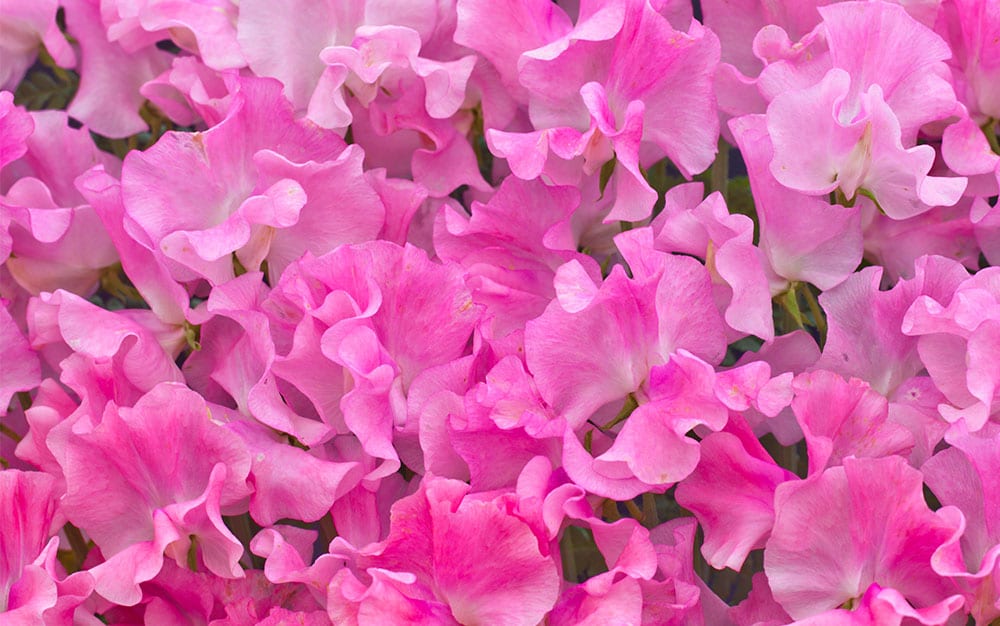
(500, 312)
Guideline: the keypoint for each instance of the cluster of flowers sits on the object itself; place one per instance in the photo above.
(404, 312)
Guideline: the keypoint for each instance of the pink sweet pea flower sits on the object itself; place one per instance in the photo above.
(102, 355)
(638, 323)
(108, 99)
(958, 344)
(852, 526)
(731, 493)
(502, 425)
(971, 27)
(706, 229)
(274, 188)
(865, 338)
(431, 568)
(203, 27)
(855, 146)
(511, 248)
(19, 366)
(965, 476)
(56, 238)
(596, 93)
(804, 238)
(326, 353)
(843, 418)
(135, 490)
(25, 24)
(943, 231)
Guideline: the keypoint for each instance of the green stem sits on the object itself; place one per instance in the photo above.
(818, 318)
(719, 174)
(6, 430)
(566, 549)
(327, 529)
(990, 130)
(630, 405)
(649, 510)
(635, 512)
(77, 543)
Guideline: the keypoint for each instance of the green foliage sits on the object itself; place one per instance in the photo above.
(47, 86)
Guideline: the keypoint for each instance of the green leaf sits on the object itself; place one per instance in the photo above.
(790, 301)
(606, 171)
(740, 201)
(43, 90)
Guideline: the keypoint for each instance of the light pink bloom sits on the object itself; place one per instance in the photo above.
(190, 91)
(683, 394)
(958, 343)
(852, 526)
(971, 27)
(25, 24)
(637, 323)
(305, 28)
(56, 239)
(101, 355)
(270, 188)
(865, 338)
(739, 270)
(327, 352)
(595, 93)
(804, 238)
(502, 425)
(284, 42)
(855, 146)
(135, 489)
(377, 53)
(108, 99)
(943, 231)
(905, 60)
(431, 568)
(19, 366)
(965, 476)
(843, 418)
(203, 27)
(731, 493)
(511, 248)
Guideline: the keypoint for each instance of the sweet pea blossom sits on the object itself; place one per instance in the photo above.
(372, 312)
